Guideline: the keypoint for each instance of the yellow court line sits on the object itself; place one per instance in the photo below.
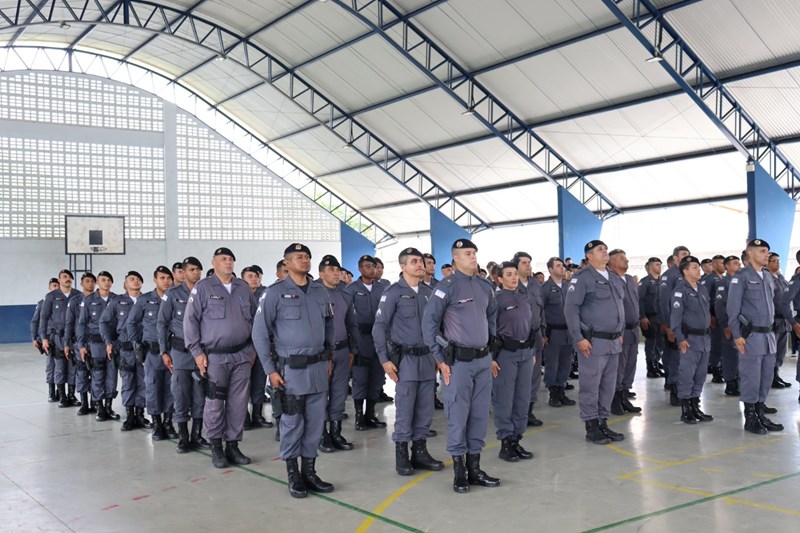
(367, 522)
(764, 506)
(636, 456)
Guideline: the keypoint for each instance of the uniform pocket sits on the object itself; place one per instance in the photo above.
(216, 310)
(407, 310)
(289, 311)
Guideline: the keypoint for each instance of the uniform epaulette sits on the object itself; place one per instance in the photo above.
(449, 279)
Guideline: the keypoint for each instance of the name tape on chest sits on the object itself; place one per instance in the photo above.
(439, 294)
(466, 301)
(290, 296)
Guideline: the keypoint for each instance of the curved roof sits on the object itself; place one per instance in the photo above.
(567, 68)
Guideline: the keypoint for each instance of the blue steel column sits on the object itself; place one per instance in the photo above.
(443, 233)
(770, 212)
(354, 245)
(576, 226)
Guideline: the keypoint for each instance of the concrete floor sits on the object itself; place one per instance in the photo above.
(60, 472)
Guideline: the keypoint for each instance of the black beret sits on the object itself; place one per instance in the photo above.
(210, 272)
(191, 260)
(224, 251)
(463, 244)
(258, 270)
(134, 273)
(506, 264)
(705, 261)
(653, 260)
(592, 244)
(718, 256)
(106, 274)
(378, 261)
(758, 243)
(88, 275)
(731, 258)
(52, 280)
(686, 261)
(429, 256)
(367, 259)
(177, 266)
(413, 251)
(518, 255)
(161, 269)
(296, 247)
(616, 251)
(329, 261)
(448, 265)
(67, 272)
(248, 269)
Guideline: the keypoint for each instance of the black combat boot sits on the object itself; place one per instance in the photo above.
(361, 425)
(86, 407)
(674, 401)
(460, 483)
(626, 404)
(731, 388)
(716, 373)
(141, 421)
(652, 371)
(234, 455)
(130, 420)
(198, 442)
(159, 432)
(698, 414)
(687, 415)
(258, 421)
(63, 400)
(437, 403)
(310, 477)
(563, 398)
(385, 398)
(608, 432)
(183, 438)
(507, 452)
(52, 395)
(296, 486)
(568, 386)
(521, 452)
(555, 397)
(476, 476)
(768, 424)
(751, 420)
(168, 427)
(421, 458)
(73, 401)
(786, 384)
(325, 442)
(102, 414)
(370, 418)
(532, 420)
(768, 410)
(401, 462)
(777, 382)
(111, 414)
(616, 404)
(92, 404)
(594, 434)
(339, 442)
(248, 425)
(217, 455)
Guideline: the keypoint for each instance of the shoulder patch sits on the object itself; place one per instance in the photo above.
(676, 305)
(735, 280)
(439, 294)
(194, 290)
(573, 281)
(383, 298)
(678, 294)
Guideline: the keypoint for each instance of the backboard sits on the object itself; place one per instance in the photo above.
(95, 235)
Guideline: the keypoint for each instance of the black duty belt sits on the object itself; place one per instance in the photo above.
(152, 347)
(631, 325)
(96, 338)
(607, 335)
(513, 345)
(178, 344)
(302, 361)
(227, 350)
(341, 344)
(126, 345)
(688, 330)
(58, 332)
(468, 354)
(365, 329)
(761, 329)
(778, 316)
(414, 350)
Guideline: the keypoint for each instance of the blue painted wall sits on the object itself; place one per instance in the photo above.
(576, 226)
(770, 211)
(354, 245)
(443, 233)
(15, 323)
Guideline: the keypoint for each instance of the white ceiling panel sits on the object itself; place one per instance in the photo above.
(514, 203)
(368, 187)
(219, 79)
(773, 100)
(171, 55)
(244, 16)
(269, 112)
(319, 150)
(408, 218)
(114, 40)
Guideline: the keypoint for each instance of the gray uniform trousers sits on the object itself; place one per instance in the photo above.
(597, 381)
(224, 419)
(189, 397)
(557, 359)
(717, 338)
(337, 384)
(63, 369)
(730, 360)
(466, 405)
(368, 375)
(670, 358)
(510, 392)
(258, 383)
(782, 338)
(628, 357)
(413, 409)
(692, 369)
(49, 369)
(83, 378)
(653, 346)
(104, 373)
(536, 375)
(755, 376)
(300, 433)
(157, 382)
(131, 371)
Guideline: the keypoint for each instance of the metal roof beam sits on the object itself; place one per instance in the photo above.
(650, 27)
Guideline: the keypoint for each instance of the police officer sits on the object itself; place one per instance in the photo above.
(670, 356)
(143, 331)
(430, 271)
(52, 321)
(113, 329)
(462, 315)
(706, 267)
(83, 379)
(530, 285)
(298, 314)
(648, 317)
(178, 275)
(751, 312)
(626, 366)
(188, 394)
(558, 349)
(345, 335)
(216, 326)
(379, 272)
(512, 363)
(791, 301)
(595, 316)
(367, 371)
(408, 362)
(37, 343)
(690, 321)
(280, 270)
(729, 358)
(781, 324)
(92, 348)
(710, 282)
(258, 378)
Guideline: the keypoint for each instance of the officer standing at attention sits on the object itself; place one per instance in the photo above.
(596, 320)
(530, 285)
(216, 326)
(710, 282)
(114, 330)
(751, 312)
(730, 355)
(408, 362)
(83, 380)
(143, 331)
(345, 334)
(37, 343)
(379, 273)
(791, 300)
(187, 392)
(52, 321)
(430, 271)
(93, 349)
(626, 367)
(668, 281)
(280, 270)
(780, 325)
(648, 317)
(558, 349)
(258, 377)
(367, 371)
(298, 313)
(457, 325)
(178, 276)
(512, 355)
(690, 320)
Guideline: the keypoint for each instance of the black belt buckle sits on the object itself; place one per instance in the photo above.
(298, 362)
(341, 344)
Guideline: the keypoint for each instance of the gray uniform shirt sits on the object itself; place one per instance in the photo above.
(553, 296)
(35, 321)
(791, 299)
(721, 301)
(691, 307)
(668, 281)
(142, 324)
(170, 315)
(515, 315)
(751, 296)
(711, 282)
(534, 292)
(648, 296)
(92, 308)
(596, 302)
(53, 316)
(114, 319)
(345, 327)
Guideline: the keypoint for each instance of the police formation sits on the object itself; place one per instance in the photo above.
(199, 351)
